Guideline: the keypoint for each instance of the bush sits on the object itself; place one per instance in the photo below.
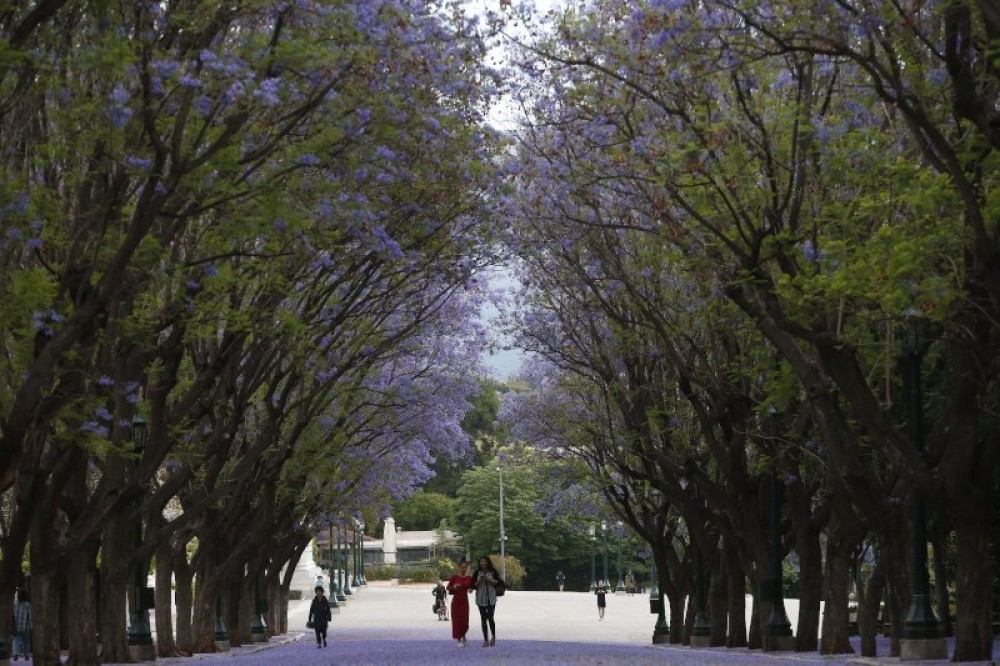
(381, 572)
(515, 570)
(419, 575)
(295, 595)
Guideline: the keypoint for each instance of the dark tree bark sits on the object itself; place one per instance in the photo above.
(718, 609)
(941, 593)
(45, 581)
(869, 601)
(165, 645)
(736, 591)
(974, 633)
(82, 607)
(183, 577)
(116, 551)
(835, 638)
(755, 640)
(810, 590)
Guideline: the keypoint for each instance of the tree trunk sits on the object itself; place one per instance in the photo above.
(736, 590)
(810, 590)
(974, 634)
(82, 608)
(897, 582)
(183, 576)
(756, 639)
(943, 597)
(165, 646)
(676, 616)
(688, 621)
(116, 550)
(869, 603)
(238, 626)
(718, 609)
(838, 585)
(203, 624)
(44, 616)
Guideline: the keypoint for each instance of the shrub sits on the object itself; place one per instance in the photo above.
(515, 570)
(381, 572)
(294, 595)
(419, 575)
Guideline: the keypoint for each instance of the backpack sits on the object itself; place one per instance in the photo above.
(501, 587)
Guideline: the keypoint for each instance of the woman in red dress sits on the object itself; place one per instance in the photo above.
(459, 585)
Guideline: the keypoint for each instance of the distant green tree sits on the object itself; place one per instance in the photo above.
(537, 544)
(424, 511)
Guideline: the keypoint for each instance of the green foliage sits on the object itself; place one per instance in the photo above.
(419, 575)
(423, 511)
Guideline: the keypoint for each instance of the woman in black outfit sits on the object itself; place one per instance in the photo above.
(485, 581)
(320, 616)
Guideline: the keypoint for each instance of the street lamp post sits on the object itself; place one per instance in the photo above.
(334, 603)
(354, 560)
(346, 557)
(922, 636)
(140, 638)
(503, 534)
(258, 629)
(361, 554)
(593, 570)
(604, 533)
(620, 588)
(661, 631)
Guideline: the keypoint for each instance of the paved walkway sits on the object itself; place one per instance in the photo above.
(395, 625)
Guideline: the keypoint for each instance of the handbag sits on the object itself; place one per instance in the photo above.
(310, 625)
(501, 587)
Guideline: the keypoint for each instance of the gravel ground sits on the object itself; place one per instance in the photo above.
(395, 625)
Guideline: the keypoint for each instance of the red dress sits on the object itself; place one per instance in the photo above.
(459, 586)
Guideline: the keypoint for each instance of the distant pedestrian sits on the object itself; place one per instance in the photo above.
(630, 583)
(485, 580)
(320, 616)
(440, 601)
(22, 626)
(459, 586)
(602, 593)
(560, 580)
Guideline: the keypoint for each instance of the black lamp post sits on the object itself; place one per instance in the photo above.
(140, 638)
(620, 588)
(701, 631)
(258, 629)
(339, 562)
(333, 576)
(604, 533)
(361, 552)
(347, 560)
(593, 569)
(661, 631)
(922, 636)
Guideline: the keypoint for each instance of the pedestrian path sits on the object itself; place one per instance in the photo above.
(396, 625)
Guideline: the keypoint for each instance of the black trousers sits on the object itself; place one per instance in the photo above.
(320, 632)
(486, 617)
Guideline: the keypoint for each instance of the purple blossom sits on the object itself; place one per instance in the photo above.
(309, 160)
(103, 414)
(105, 381)
(280, 225)
(165, 68)
(137, 162)
(95, 428)
(190, 81)
(268, 90)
